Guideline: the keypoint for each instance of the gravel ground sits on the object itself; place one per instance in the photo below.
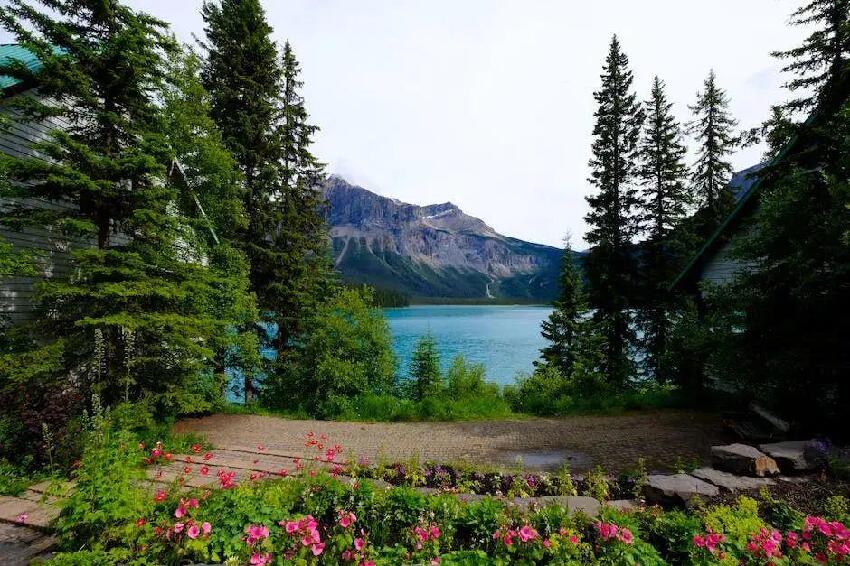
(614, 442)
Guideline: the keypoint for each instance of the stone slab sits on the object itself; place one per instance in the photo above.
(38, 515)
(790, 455)
(20, 545)
(743, 459)
(677, 490)
(730, 482)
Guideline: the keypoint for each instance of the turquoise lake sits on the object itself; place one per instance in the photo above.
(506, 339)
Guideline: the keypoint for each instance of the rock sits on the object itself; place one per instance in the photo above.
(730, 482)
(742, 459)
(678, 489)
(790, 455)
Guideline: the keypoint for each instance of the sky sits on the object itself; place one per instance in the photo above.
(489, 103)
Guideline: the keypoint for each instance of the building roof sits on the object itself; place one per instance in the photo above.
(10, 52)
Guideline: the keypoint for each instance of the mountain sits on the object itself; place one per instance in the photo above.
(433, 252)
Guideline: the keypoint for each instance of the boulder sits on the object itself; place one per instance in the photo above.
(791, 455)
(730, 482)
(743, 459)
(624, 505)
(678, 489)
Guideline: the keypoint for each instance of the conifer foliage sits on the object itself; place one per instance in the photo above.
(564, 327)
(821, 59)
(611, 268)
(134, 319)
(257, 104)
(713, 130)
(664, 204)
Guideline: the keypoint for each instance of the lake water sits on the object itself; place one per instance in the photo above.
(506, 339)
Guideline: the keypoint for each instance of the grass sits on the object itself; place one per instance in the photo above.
(389, 408)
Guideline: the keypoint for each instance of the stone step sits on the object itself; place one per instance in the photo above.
(730, 482)
(17, 510)
(676, 490)
(19, 545)
(743, 460)
(791, 456)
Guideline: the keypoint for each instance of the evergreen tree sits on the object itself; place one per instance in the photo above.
(133, 320)
(820, 61)
(425, 377)
(242, 75)
(712, 128)
(212, 189)
(610, 264)
(302, 273)
(563, 327)
(664, 203)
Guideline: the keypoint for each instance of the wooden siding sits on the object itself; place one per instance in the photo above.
(16, 293)
(721, 268)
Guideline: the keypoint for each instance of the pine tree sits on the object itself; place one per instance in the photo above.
(425, 380)
(610, 264)
(242, 75)
(133, 320)
(302, 271)
(563, 327)
(212, 189)
(820, 61)
(664, 203)
(712, 128)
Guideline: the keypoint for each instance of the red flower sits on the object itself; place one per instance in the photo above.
(196, 448)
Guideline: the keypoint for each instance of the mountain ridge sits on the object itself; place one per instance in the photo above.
(434, 251)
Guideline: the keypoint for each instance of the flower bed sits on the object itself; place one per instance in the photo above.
(311, 517)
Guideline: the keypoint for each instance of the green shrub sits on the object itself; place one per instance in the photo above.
(345, 350)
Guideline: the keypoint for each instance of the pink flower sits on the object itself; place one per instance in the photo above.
(206, 528)
(359, 543)
(193, 531)
(546, 543)
(22, 518)
(208, 456)
(346, 519)
(347, 555)
(626, 536)
(180, 512)
(160, 495)
(607, 531)
(291, 527)
(527, 533)
(367, 563)
(317, 548)
(204, 470)
(434, 531)
(178, 527)
(258, 559)
(435, 561)
(256, 533)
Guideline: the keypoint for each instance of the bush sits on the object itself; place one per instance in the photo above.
(345, 351)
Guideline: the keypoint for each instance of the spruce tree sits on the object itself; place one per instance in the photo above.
(664, 203)
(133, 319)
(713, 130)
(820, 61)
(425, 379)
(301, 275)
(614, 166)
(563, 327)
(242, 75)
(212, 189)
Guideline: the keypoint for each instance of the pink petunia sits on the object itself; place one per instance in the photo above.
(206, 528)
(178, 527)
(194, 531)
(359, 543)
(258, 559)
(527, 533)
(22, 518)
(317, 548)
